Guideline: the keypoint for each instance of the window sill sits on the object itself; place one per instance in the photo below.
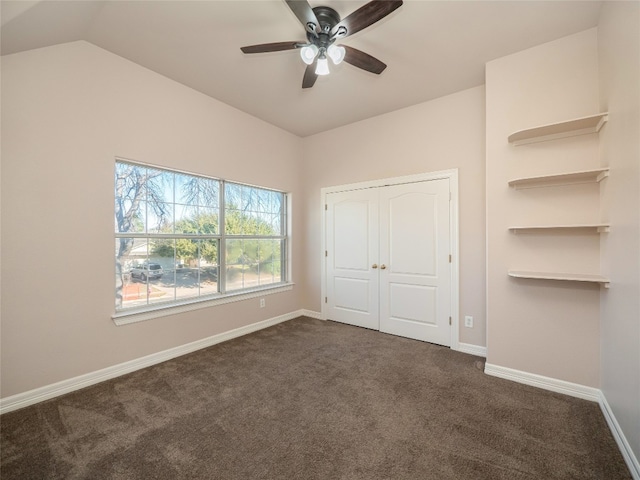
(156, 311)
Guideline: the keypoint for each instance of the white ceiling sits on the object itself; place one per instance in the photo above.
(432, 48)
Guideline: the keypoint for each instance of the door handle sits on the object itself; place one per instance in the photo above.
(383, 266)
(375, 265)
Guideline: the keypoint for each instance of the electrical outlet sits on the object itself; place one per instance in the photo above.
(468, 321)
(262, 303)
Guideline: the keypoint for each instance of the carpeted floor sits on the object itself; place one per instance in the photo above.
(309, 399)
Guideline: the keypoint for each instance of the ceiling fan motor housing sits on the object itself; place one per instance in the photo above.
(328, 18)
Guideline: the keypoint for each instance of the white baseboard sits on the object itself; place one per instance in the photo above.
(574, 390)
(621, 440)
(312, 314)
(472, 349)
(546, 383)
(31, 397)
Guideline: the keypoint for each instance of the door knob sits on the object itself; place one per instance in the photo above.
(383, 266)
(375, 265)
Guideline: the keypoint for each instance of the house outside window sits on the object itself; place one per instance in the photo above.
(181, 237)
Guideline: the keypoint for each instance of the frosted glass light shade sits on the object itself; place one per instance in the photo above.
(336, 53)
(308, 53)
(322, 67)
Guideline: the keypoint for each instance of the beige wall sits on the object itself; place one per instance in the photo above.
(542, 327)
(67, 111)
(437, 135)
(619, 55)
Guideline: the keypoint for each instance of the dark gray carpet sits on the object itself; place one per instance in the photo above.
(309, 399)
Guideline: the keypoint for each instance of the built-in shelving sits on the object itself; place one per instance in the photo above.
(569, 178)
(555, 131)
(570, 277)
(590, 227)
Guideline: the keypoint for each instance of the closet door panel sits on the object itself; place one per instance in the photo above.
(352, 250)
(415, 291)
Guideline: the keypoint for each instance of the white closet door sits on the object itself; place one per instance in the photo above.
(352, 250)
(415, 283)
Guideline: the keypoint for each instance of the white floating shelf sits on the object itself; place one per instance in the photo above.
(594, 227)
(570, 178)
(571, 277)
(555, 131)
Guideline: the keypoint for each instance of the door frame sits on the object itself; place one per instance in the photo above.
(452, 176)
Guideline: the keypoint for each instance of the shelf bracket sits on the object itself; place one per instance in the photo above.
(601, 176)
(603, 120)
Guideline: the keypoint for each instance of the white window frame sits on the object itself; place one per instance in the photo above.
(155, 310)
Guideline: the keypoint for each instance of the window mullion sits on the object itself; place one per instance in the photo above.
(257, 237)
(167, 236)
(222, 247)
(283, 245)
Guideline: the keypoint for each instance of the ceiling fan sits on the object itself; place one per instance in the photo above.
(324, 27)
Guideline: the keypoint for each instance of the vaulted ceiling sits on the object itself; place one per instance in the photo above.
(432, 48)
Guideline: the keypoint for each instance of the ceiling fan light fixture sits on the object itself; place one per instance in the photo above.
(336, 53)
(322, 67)
(324, 27)
(308, 53)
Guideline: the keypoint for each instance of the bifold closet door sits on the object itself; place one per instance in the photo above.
(415, 285)
(387, 259)
(352, 250)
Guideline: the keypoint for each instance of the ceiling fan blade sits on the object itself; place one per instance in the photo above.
(304, 12)
(363, 60)
(270, 47)
(310, 76)
(366, 15)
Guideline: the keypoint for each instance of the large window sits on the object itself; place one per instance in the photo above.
(183, 237)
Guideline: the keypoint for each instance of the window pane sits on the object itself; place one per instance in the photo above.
(235, 264)
(276, 224)
(254, 202)
(252, 211)
(233, 221)
(208, 192)
(139, 192)
(185, 189)
(129, 192)
(251, 254)
(262, 201)
(133, 218)
(131, 291)
(160, 218)
(232, 195)
(159, 271)
(187, 278)
(253, 262)
(159, 186)
(196, 267)
(186, 219)
(245, 198)
(193, 190)
(208, 266)
(207, 221)
(269, 261)
(278, 201)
